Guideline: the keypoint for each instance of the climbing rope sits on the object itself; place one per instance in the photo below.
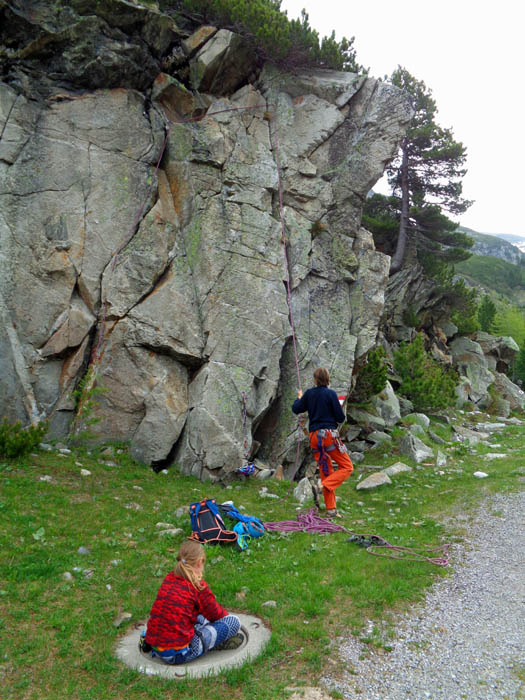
(314, 524)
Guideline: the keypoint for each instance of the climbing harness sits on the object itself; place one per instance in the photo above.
(324, 460)
(246, 469)
(312, 523)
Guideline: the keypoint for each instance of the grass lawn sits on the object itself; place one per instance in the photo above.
(58, 635)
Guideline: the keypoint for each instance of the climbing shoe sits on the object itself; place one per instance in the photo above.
(333, 513)
(231, 643)
(144, 647)
(316, 492)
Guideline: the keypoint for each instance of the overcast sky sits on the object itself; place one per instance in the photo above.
(470, 54)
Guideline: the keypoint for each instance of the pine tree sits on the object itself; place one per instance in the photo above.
(372, 378)
(291, 43)
(426, 180)
(426, 383)
(486, 313)
(519, 367)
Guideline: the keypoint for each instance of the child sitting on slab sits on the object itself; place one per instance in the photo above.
(186, 620)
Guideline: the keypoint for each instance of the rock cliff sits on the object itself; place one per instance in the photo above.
(169, 208)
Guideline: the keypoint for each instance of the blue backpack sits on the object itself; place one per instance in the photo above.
(246, 525)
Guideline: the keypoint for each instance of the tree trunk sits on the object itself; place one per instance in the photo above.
(399, 255)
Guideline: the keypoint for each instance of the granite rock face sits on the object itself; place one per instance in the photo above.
(170, 282)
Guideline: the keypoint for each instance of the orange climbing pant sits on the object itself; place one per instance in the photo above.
(334, 478)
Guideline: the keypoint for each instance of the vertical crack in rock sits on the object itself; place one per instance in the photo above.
(17, 354)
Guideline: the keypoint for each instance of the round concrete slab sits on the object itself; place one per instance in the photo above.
(256, 637)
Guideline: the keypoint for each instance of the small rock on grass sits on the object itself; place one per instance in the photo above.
(264, 474)
(269, 604)
(397, 468)
(374, 481)
(480, 475)
(121, 618)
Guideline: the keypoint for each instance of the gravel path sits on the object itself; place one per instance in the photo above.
(467, 640)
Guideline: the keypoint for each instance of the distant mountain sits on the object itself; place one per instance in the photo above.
(518, 241)
(505, 246)
(496, 266)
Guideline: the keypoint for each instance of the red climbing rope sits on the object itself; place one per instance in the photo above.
(314, 524)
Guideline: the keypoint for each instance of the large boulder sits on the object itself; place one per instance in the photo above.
(499, 351)
(509, 391)
(224, 62)
(471, 363)
(413, 447)
(387, 405)
(176, 280)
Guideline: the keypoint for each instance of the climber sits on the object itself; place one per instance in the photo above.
(324, 413)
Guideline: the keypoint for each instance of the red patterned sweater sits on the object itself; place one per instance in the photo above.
(174, 612)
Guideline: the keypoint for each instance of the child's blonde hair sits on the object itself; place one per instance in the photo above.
(190, 554)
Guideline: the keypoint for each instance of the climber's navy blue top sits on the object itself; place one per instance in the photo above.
(322, 404)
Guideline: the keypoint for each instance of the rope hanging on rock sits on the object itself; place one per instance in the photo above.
(311, 523)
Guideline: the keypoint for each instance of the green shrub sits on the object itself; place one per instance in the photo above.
(16, 441)
(85, 404)
(372, 379)
(486, 313)
(423, 380)
(519, 367)
(290, 43)
(464, 306)
(411, 318)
